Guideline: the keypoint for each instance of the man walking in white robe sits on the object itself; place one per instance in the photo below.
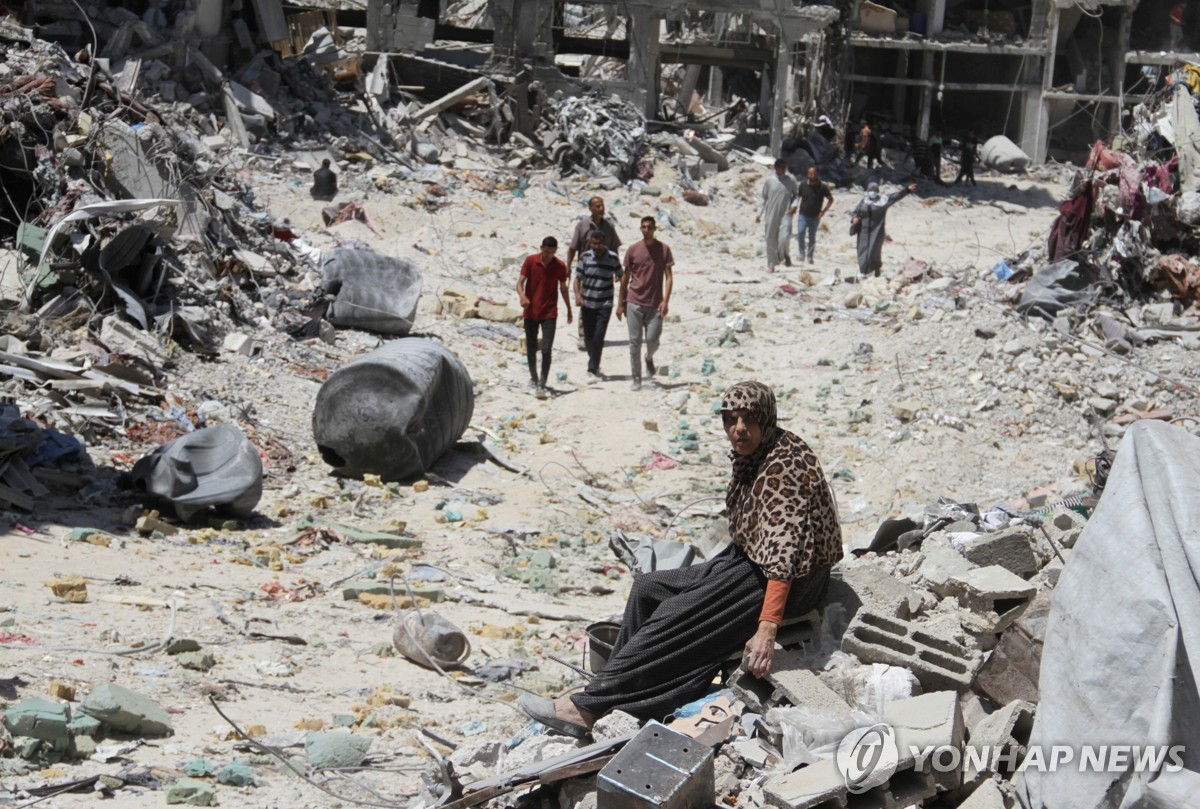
(777, 207)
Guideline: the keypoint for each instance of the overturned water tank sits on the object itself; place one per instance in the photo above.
(394, 411)
(372, 292)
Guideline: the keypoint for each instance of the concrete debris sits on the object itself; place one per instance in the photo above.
(936, 660)
(331, 750)
(125, 711)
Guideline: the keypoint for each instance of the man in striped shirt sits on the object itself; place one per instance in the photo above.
(594, 276)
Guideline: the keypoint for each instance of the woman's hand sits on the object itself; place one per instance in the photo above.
(760, 650)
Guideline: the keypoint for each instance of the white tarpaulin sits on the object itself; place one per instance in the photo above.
(1122, 634)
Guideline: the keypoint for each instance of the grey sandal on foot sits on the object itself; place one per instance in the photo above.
(541, 709)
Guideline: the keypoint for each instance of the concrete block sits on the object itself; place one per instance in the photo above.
(788, 683)
(331, 750)
(83, 746)
(236, 774)
(181, 645)
(930, 720)
(83, 725)
(659, 768)
(38, 719)
(191, 792)
(882, 592)
(942, 562)
(1064, 527)
(614, 725)
(995, 593)
(819, 784)
(1007, 730)
(126, 711)
(1011, 548)
(197, 661)
(1012, 670)
(937, 661)
(238, 343)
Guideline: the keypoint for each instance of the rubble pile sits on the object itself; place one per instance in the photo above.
(1118, 268)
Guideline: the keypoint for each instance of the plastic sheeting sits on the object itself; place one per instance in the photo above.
(372, 292)
(394, 411)
(1064, 284)
(1123, 639)
(215, 467)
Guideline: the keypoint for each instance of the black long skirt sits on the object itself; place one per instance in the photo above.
(680, 626)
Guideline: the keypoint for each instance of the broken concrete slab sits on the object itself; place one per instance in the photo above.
(790, 682)
(192, 792)
(1007, 730)
(994, 593)
(39, 719)
(1064, 527)
(197, 661)
(236, 774)
(882, 592)
(942, 562)
(126, 711)
(1011, 548)
(332, 750)
(452, 98)
(936, 660)
(1011, 672)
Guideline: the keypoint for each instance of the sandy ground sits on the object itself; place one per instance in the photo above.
(988, 429)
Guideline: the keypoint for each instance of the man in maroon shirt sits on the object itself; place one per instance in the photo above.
(540, 275)
(645, 295)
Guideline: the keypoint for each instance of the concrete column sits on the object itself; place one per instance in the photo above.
(691, 77)
(716, 91)
(504, 32)
(644, 29)
(1035, 118)
(926, 111)
(783, 90)
(937, 17)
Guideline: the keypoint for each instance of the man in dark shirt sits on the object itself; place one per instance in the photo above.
(594, 277)
(595, 220)
(966, 166)
(812, 193)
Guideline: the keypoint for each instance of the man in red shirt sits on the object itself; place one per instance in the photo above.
(540, 275)
(645, 295)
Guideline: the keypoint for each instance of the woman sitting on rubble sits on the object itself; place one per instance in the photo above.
(680, 626)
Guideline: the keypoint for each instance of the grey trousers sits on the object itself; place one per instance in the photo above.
(642, 319)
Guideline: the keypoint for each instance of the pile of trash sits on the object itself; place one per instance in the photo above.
(1119, 266)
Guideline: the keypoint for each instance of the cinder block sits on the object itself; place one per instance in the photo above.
(995, 593)
(1006, 730)
(1011, 548)
(1064, 527)
(881, 592)
(937, 661)
(788, 683)
(1012, 670)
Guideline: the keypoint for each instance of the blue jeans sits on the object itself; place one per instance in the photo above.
(810, 224)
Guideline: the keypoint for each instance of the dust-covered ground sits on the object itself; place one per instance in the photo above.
(907, 391)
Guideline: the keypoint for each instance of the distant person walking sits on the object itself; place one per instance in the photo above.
(812, 193)
(867, 222)
(777, 206)
(595, 220)
(645, 297)
(966, 167)
(935, 152)
(542, 277)
(598, 268)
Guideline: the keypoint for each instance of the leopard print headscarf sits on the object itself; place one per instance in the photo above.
(781, 510)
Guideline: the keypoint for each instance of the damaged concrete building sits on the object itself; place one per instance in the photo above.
(1053, 76)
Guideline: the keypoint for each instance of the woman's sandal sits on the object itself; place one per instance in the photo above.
(541, 709)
